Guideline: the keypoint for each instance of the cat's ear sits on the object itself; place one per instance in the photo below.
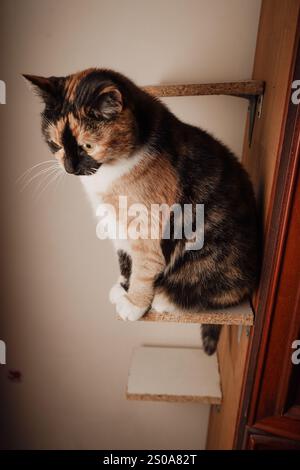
(50, 89)
(110, 102)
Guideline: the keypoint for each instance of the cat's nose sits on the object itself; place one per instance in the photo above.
(69, 167)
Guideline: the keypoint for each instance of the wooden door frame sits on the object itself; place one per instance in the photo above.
(283, 190)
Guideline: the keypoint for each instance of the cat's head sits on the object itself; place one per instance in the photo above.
(87, 119)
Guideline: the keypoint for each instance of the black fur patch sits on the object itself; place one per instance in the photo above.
(125, 267)
(76, 160)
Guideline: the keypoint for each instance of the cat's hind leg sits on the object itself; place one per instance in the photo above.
(162, 304)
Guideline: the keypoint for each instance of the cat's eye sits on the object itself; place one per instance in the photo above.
(87, 146)
(53, 146)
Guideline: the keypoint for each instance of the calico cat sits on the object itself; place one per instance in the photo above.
(120, 140)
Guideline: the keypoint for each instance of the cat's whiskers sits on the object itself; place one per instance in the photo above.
(54, 176)
(26, 172)
(59, 180)
(33, 177)
(44, 178)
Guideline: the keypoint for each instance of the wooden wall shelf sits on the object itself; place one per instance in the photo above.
(242, 89)
(239, 315)
(252, 90)
(174, 375)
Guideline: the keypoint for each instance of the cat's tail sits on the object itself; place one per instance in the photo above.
(210, 337)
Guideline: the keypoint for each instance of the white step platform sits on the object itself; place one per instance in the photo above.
(174, 375)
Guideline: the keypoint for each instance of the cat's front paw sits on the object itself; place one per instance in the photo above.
(129, 311)
(116, 292)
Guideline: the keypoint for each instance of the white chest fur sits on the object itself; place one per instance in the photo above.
(98, 184)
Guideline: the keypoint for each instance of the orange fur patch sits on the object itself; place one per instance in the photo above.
(73, 81)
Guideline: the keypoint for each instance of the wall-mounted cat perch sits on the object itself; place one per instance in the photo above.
(252, 90)
(241, 314)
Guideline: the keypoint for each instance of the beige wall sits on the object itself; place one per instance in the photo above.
(58, 325)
